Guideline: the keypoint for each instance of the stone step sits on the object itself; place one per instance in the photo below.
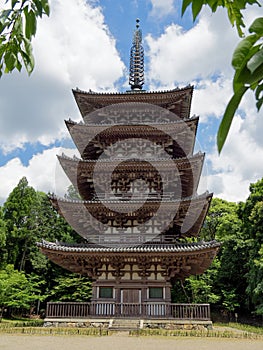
(124, 324)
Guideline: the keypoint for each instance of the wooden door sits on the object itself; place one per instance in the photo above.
(131, 302)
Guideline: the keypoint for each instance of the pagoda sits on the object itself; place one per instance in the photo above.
(139, 212)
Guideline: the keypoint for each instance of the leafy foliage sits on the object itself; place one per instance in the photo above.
(2, 239)
(252, 225)
(234, 280)
(71, 288)
(18, 24)
(20, 215)
(234, 8)
(17, 290)
(27, 217)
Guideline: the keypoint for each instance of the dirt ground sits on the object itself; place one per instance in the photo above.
(123, 342)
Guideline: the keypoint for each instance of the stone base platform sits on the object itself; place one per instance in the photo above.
(129, 323)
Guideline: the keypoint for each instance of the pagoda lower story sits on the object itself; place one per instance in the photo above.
(135, 276)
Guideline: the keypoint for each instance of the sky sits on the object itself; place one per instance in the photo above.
(86, 44)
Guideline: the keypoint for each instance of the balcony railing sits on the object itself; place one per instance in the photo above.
(111, 309)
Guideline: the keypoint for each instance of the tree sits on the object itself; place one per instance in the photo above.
(2, 239)
(72, 193)
(202, 287)
(29, 217)
(222, 220)
(227, 275)
(17, 290)
(247, 58)
(71, 288)
(18, 24)
(20, 214)
(251, 213)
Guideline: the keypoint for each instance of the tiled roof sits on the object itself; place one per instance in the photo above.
(146, 248)
(90, 92)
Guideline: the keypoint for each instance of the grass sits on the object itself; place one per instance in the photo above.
(20, 322)
(242, 327)
(196, 333)
(231, 330)
(26, 326)
(55, 331)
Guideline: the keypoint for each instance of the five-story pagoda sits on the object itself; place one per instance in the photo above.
(139, 210)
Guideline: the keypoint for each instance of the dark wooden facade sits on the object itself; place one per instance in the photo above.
(131, 256)
(180, 185)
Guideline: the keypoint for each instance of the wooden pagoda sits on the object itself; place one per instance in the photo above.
(137, 245)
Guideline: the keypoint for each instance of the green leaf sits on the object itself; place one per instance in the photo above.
(10, 61)
(255, 61)
(185, 4)
(2, 26)
(257, 26)
(242, 51)
(13, 3)
(256, 76)
(18, 26)
(258, 93)
(28, 56)
(213, 5)
(3, 48)
(39, 7)
(5, 14)
(46, 7)
(18, 65)
(31, 24)
(196, 8)
(228, 117)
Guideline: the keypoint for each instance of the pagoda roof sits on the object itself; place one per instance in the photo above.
(91, 140)
(183, 173)
(93, 219)
(176, 260)
(180, 248)
(178, 100)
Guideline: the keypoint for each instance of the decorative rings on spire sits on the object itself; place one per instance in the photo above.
(136, 78)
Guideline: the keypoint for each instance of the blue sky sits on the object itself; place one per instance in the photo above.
(86, 44)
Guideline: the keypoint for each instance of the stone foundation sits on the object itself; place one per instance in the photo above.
(143, 324)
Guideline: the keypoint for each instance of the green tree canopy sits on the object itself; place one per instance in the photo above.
(2, 239)
(71, 288)
(20, 215)
(251, 213)
(17, 290)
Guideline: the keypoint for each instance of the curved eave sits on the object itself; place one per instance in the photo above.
(87, 138)
(177, 100)
(175, 261)
(80, 172)
(186, 217)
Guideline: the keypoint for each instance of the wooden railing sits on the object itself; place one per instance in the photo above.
(111, 309)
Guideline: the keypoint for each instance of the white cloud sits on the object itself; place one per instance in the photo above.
(210, 97)
(240, 162)
(43, 173)
(73, 47)
(179, 56)
(161, 8)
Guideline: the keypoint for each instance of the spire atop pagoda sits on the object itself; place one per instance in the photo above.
(136, 79)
